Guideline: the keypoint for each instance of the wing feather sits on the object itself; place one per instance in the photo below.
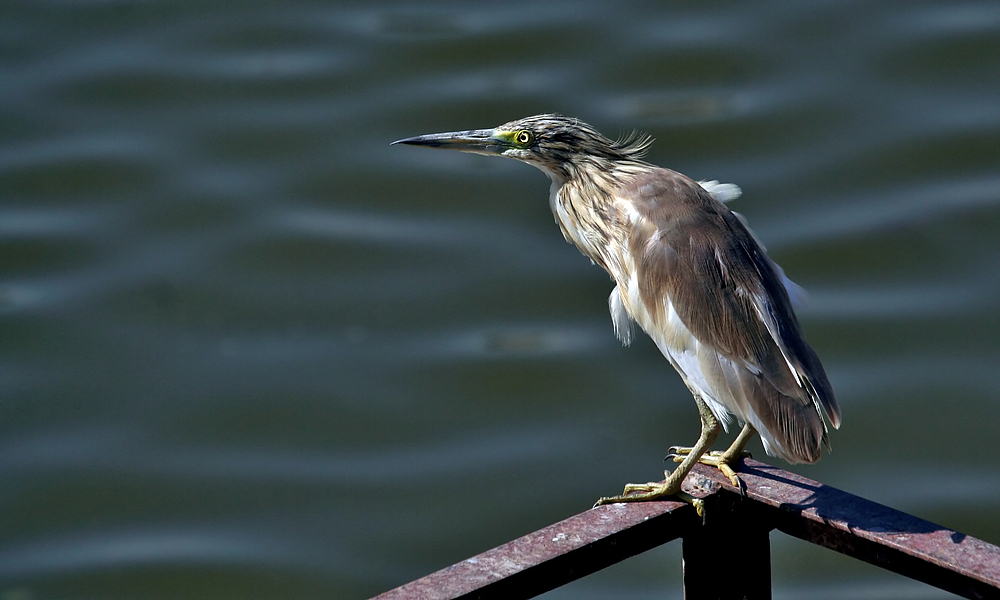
(733, 300)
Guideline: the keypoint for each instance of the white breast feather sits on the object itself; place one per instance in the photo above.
(620, 317)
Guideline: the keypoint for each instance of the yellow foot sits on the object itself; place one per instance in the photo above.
(715, 458)
(654, 490)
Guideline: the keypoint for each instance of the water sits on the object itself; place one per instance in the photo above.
(249, 350)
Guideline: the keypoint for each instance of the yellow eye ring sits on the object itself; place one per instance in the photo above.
(523, 137)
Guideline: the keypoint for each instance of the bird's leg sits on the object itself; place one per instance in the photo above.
(722, 460)
(671, 486)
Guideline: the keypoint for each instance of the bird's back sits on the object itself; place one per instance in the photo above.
(693, 277)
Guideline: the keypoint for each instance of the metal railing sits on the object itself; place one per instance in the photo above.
(774, 499)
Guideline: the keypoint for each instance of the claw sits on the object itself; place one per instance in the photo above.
(742, 487)
(734, 478)
(640, 492)
(730, 473)
(672, 484)
(651, 491)
(697, 503)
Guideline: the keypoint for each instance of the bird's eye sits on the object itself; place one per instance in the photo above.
(523, 137)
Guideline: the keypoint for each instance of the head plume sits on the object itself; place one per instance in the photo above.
(564, 138)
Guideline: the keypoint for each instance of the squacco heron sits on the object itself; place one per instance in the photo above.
(694, 278)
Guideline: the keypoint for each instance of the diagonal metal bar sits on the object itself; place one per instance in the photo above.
(869, 531)
(560, 553)
(775, 499)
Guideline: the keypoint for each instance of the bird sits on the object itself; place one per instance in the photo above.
(692, 275)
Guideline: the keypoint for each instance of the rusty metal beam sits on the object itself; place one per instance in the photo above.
(868, 531)
(775, 499)
(553, 556)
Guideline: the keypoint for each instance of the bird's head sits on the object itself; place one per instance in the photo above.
(555, 144)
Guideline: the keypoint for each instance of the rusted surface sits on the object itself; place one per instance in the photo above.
(553, 556)
(869, 531)
(775, 499)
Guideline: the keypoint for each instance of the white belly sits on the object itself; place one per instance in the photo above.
(677, 344)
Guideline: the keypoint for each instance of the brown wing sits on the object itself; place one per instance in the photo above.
(728, 294)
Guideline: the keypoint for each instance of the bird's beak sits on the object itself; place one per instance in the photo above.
(478, 141)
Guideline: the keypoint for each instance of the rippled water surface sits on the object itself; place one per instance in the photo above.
(249, 350)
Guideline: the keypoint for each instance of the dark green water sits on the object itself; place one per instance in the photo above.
(249, 350)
